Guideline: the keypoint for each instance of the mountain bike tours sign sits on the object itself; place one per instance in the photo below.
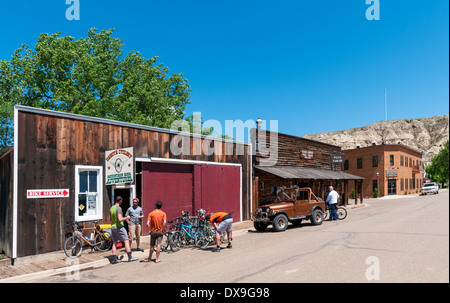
(119, 166)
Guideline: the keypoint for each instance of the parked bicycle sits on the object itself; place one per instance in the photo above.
(340, 210)
(99, 239)
(186, 233)
(169, 230)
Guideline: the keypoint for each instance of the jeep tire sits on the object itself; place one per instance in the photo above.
(317, 217)
(260, 226)
(280, 223)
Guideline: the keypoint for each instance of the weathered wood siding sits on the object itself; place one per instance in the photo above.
(6, 200)
(49, 148)
(295, 151)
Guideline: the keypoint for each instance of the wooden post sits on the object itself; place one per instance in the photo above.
(362, 193)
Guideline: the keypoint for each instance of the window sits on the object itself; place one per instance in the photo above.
(401, 160)
(88, 193)
(410, 162)
(374, 161)
(359, 163)
(391, 160)
(402, 184)
(406, 183)
(346, 165)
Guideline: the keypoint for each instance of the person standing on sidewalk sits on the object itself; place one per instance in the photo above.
(332, 200)
(118, 231)
(134, 224)
(155, 223)
(222, 222)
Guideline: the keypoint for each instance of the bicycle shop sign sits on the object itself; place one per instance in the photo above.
(47, 193)
(119, 164)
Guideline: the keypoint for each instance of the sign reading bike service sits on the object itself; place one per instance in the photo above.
(119, 166)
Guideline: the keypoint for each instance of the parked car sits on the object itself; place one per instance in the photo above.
(290, 205)
(430, 188)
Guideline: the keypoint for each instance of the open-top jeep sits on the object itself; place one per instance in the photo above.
(290, 205)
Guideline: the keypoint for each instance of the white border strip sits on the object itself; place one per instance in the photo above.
(16, 183)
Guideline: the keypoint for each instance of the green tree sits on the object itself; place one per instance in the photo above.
(438, 170)
(90, 76)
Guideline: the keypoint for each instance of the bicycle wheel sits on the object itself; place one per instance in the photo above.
(175, 241)
(342, 213)
(166, 241)
(101, 243)
(325, 214)
(224, 238)
(201, 240)
(73, 247)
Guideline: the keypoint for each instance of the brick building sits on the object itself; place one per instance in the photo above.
(399, 169)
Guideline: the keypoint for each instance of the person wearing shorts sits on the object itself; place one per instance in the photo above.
(134, 224)
(155, 223)
(222, 222)
(118, 231)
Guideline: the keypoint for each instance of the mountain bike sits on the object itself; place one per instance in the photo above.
(340, 210)
(169, 230)
(187, 233)
(98, 240)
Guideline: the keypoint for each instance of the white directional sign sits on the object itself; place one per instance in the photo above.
(47, 193)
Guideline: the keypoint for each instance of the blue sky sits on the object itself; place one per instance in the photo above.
(314, 66)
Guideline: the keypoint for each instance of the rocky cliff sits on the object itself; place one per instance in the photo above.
(426, 135)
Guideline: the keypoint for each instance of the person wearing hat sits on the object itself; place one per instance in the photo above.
(134, 223)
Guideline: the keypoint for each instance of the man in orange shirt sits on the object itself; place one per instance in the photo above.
(155, 223)
(222, 222)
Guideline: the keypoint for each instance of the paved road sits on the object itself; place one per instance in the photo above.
(390, 240)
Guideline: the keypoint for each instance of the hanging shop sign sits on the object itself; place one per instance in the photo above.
(119, 166)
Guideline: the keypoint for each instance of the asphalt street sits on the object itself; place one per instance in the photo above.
(389, 240)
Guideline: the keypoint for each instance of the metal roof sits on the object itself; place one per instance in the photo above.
(296, 172)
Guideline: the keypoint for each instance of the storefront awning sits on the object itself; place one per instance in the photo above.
(294, 172)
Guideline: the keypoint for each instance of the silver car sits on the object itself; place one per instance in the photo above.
(430, 188)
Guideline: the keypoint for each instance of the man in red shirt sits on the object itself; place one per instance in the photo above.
(155, 223)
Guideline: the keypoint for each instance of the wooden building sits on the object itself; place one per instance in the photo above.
(56, 174)
(285, 160)
(391, 168)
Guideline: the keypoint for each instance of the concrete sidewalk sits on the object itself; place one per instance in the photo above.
(30, 268)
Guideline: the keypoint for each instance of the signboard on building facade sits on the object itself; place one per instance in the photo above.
(119, 166)
(47, 193)
(337, 159)
(391, 173)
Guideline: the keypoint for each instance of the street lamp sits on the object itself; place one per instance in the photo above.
(378, 185)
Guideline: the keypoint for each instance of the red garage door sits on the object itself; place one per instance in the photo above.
(169, 183)
(221, 189)
(190, 187)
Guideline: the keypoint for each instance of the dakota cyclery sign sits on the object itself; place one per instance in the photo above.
(119, 166)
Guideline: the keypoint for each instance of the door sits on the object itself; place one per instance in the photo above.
(221, 189)
(172, 184)
(392, 187)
